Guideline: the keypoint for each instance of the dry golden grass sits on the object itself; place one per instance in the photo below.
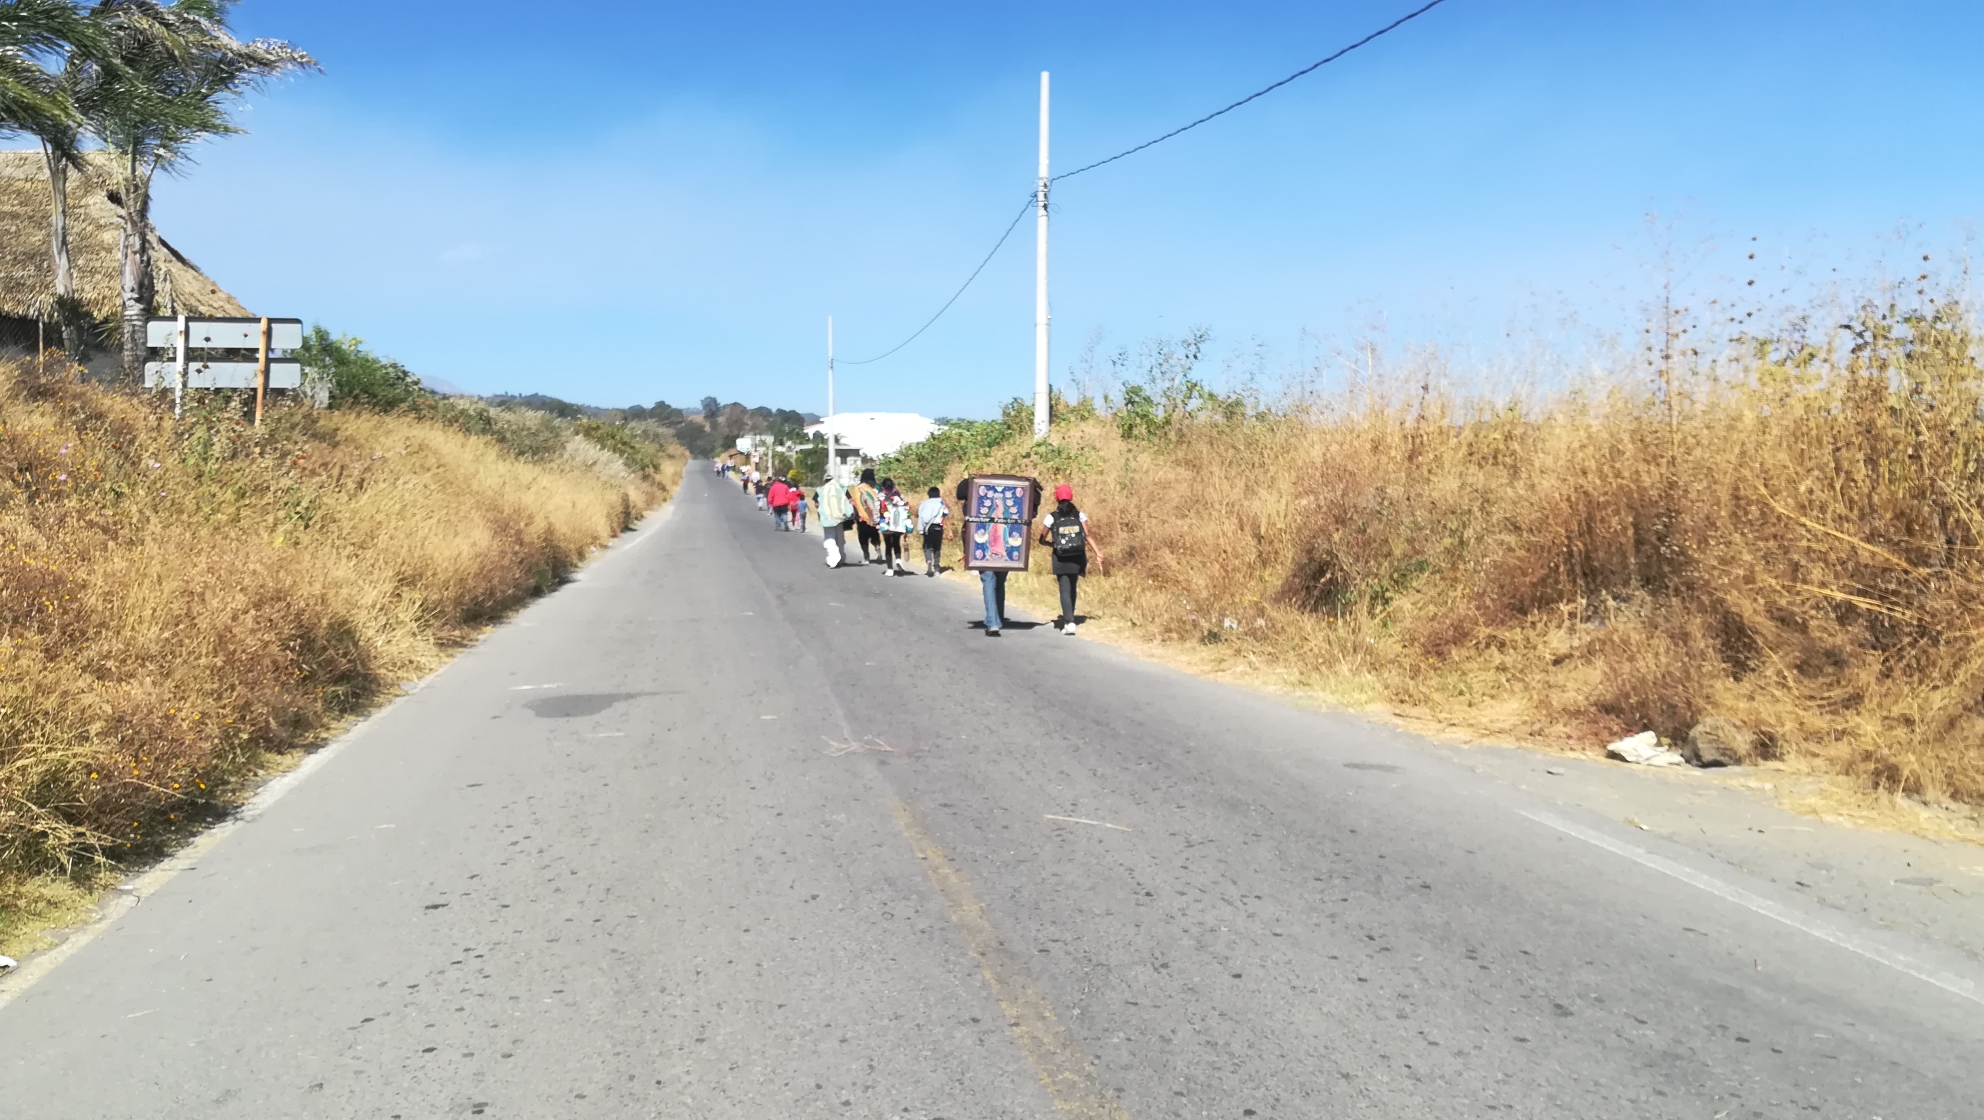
(177, 601)
(31, 907)
(1794, 540)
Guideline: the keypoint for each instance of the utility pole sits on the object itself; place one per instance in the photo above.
(1040, 417)
(833, 464)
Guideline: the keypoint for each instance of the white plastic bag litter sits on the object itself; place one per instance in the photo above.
(1643, 749)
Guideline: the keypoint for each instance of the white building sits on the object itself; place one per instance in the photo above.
(875, 434)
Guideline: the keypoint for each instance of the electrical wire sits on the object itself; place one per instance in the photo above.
(1394, 25)
(1030, 201)
(1033, 199)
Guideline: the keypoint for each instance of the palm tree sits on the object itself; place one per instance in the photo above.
(59, 152)
(169, 78)
(36, 101)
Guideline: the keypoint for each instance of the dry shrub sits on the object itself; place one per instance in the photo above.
(1791, 537)
(178, 600)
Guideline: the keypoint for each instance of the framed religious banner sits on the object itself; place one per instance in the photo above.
(998, 517)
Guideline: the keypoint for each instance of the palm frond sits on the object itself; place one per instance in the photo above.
(32, 100)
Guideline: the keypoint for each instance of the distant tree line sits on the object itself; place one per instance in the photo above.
(713, 427)
(354, 377)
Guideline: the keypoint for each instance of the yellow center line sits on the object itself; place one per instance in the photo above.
(1067, 1072)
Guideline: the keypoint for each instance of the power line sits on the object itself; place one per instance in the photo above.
(1033, 199)
(954, 295)
(1258, 93)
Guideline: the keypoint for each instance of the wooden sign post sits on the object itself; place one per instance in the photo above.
(245, 360)
(262, 373)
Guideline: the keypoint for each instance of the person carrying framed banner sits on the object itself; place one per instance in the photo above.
(998, 514)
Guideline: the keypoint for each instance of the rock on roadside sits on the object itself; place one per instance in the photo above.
(1718, 741)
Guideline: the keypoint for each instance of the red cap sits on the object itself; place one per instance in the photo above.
(1064, 493)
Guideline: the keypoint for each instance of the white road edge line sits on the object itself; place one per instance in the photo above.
(15, 982)
(1822, 930)
(647, 531)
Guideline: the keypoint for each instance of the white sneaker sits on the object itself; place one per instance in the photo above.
(1069, 629)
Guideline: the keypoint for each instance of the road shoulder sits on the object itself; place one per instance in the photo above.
(78, 916)
(1920, 877)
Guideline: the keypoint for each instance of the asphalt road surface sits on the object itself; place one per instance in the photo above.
(715, 831)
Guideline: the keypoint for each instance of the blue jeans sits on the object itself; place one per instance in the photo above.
(778, 517)
(994, 586)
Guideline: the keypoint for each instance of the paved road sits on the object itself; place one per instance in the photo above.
(717, 832)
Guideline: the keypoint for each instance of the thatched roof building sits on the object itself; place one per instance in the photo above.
(27, 268)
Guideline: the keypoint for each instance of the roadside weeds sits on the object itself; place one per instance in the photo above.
(1798, 786)
(190, 608)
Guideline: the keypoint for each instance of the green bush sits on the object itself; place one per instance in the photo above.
(356, 377)
(620, 440)
(974, 445)
(969, 442)
(811, 462)
(1168, 393)
(522, 432)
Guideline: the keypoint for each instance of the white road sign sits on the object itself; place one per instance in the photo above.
(228, 334)
(284, 373)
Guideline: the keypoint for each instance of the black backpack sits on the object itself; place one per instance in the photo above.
(1069, 538)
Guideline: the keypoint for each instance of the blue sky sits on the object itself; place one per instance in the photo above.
(622, 202)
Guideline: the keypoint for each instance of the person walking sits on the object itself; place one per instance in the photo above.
(1065, 529)
(992, 584)
(836, 518)
(867, 511)
(798, 507)
(792, 496)
(930, 519)
(896, 521)
(779, 495)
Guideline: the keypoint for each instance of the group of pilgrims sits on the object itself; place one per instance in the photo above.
(879, 517)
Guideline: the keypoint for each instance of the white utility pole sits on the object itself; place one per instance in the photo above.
(833, 464)
(1040, 418)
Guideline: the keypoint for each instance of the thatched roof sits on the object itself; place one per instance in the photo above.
(27, 269)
